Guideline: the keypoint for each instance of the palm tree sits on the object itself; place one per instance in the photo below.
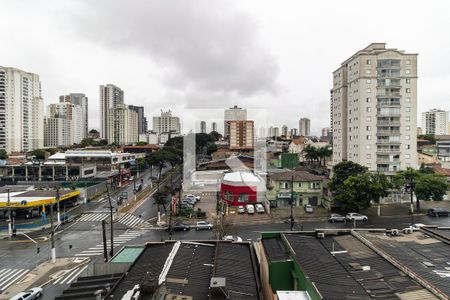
(324, 152)
(311, 153)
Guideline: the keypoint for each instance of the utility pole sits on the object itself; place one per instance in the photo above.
(292, 202)
(52, 235)
(105, 248)
(57, 206)
(411, 190)
(170, 218)
(9, 215)
(111, 217)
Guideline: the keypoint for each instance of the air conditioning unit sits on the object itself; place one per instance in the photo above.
(320, 235)
(394, 232)
(407, 230)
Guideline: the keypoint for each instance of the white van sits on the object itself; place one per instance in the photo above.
(259, 208)
(250, 209)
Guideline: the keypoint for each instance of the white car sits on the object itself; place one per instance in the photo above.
(241, 209)
(259, 208)
(250, 209)
(33, 293)
(356, 217)
(232, 238)
(417, 226)
(203, 225)
(191, 197)
(308, 208)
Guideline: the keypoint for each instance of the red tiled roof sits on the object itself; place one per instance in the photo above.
(440, 170)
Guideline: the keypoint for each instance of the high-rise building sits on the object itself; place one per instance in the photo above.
(202, 126)
(57, 131)
(21, 111)
(241, 134)
(82, 101)
(73, 113)
(304, 126)
(234, 113)
(284, 131)
(142, 120)
(294, 132)
(274, 131)
(375, 109)
(166, 123)
(123, 125)
(435, 122)
(214, 126)
(111, 96)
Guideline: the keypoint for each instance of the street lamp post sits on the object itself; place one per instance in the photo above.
(292, 203)
(111, 217)
(411, 190)
(9, 215)
(57, 206)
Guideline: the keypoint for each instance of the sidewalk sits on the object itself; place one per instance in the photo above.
(393, 210)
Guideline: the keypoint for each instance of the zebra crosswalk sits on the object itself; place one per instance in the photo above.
(10, 276)
(93, 217)
(119, 240)
(130, 220)
(70, 275)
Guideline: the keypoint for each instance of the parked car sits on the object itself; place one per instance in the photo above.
(356, 217)
(336, 218)
(308, 208)
(250, 209)
(438, 212)
(259, 208)
(180, 226)
(196, 198)
(232, 238)
(203, 225)
(241, 209)
(189, 200)
(33, 293)
(417, 226)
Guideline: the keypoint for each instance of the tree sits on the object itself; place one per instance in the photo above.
(311, 153)
(429, 137)
(161, 198)
(3, 154)
(39, 154)
(93, 131)
(431, 186)
(215, 136)
(141, 144)
(202, 140)
(425, 170)
(324, 152)
(358, 191)
(175, 142)
(344, 170)
(87, 142)
(211, 149)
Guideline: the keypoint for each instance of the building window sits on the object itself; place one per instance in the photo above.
(368, 147)
(368, 72)
(408, 90)
(369, 81)
(368, 62)
(407, 137)
(368, 128)
(299, 184)
(368, 90)
(228, 195)
(408, 81)
(407, 118)
(408, 61)
(368, 109)
(408, 71)
(408, 109)
(368, 137)
(368, 156)
(407, 156)
(408, 128)
(243, 197)
(368, 99)
(283, 185)
(407, 147)
(408, 100)
(368, 119)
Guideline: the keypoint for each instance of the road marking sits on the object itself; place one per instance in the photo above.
(9, 276)
(130, 220)
(77, 274)
(93, 217)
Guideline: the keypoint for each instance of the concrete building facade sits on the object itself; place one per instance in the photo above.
(142, 120)
(81, 100)
(21, 111)
(166, 123)
(123, 125)
(202, 127)
(234, 113)
(375, 109)
(57, 132)
(435, 122)
(111, 96)
(304, 126)
(241, 135)
(73, 113)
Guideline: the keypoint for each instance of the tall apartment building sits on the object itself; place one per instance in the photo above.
(234, 113)
(166, 123)
(73, 113)
(142, 120)
(214, 126)
(81, 100)
(375, 109)
(274, 131)
(241, 134)
(304, 126)
(111, 96)
(21, 111)
(435, 122)
(294, 132)
(57, 132)
(123, 125)
(202, 126)
(284, 131)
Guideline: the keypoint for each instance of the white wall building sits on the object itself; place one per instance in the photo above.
(111, 96)
(435, 122)
(21, 111)
(57, 132)
(166, 123)
(375, 109)
(82, 101)
(234, 113)
(73, 113)
(123, 125)
(304, 126)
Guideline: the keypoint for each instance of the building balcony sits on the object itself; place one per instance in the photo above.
(383, 94)
(387, 160)
(388, 142)
(388, 151)
(388, 132)
(388, 123)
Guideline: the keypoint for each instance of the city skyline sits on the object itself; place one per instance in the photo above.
(283, 68)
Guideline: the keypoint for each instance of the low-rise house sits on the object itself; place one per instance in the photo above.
(307, 188)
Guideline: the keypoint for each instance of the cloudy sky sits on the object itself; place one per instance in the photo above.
(272, 55)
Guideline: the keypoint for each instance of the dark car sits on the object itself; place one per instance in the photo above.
(438, 212)
(180, 226)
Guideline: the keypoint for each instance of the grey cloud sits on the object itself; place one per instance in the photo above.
(200, 45)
